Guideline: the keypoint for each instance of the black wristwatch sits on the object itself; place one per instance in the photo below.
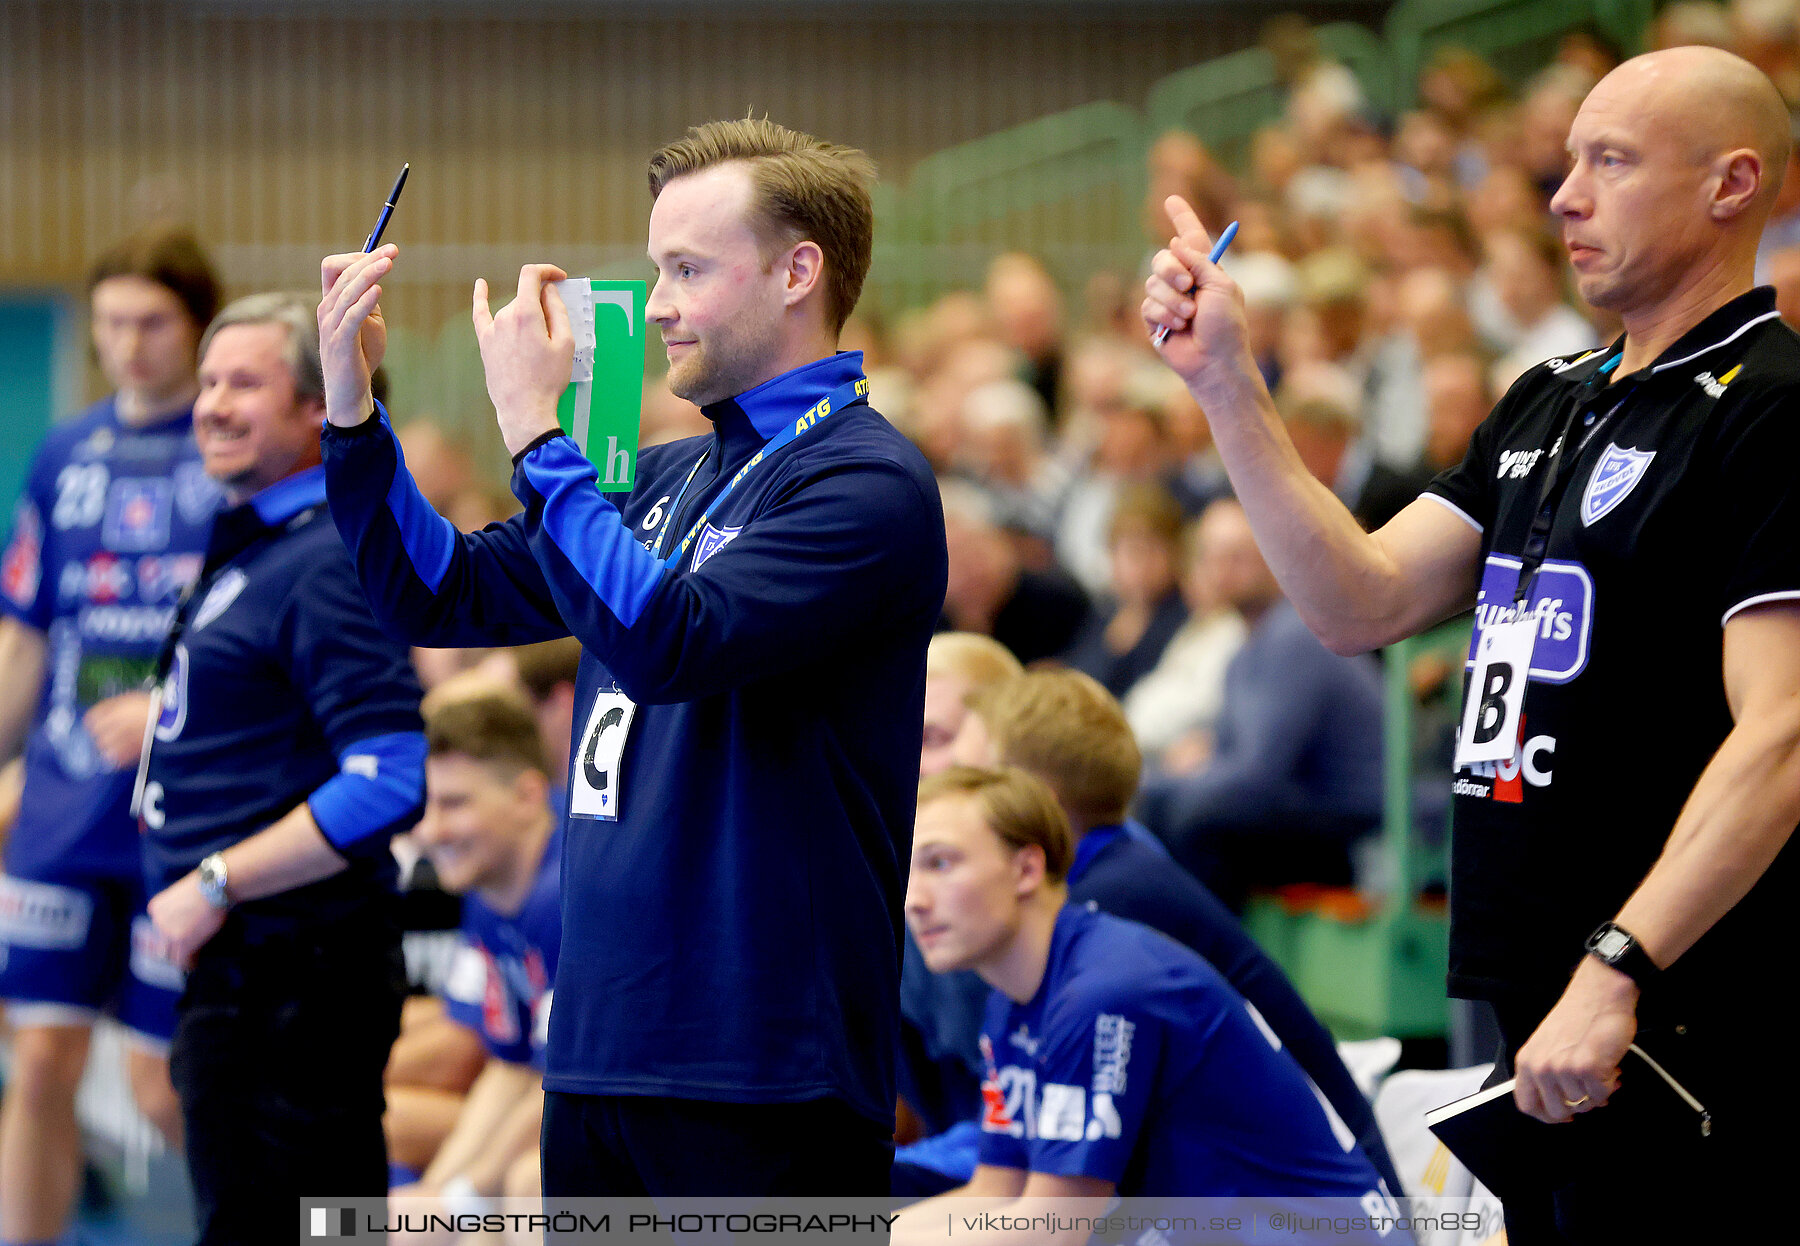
(1613, 945)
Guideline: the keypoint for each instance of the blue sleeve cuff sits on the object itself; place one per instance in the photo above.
(588, 530)
(379, 789)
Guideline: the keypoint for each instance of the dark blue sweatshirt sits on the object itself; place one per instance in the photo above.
(744, 771)
(282, 689)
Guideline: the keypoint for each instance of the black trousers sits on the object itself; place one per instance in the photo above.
(1626, 1186)
(647, 1147)
(282, 1036)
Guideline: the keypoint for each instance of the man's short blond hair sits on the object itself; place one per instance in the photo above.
(802, 188)
(1068, 730)
(1014, 804)
(980, 660)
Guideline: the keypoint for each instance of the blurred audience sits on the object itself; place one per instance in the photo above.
(1036, 614)
(438, 460)
(1005, 449)
(1295, 773)
(1028, 317)
(1175, 705)
(1125, 636)
(665, 417)
(1526, 270)
(1784, 275)
(1132, 444)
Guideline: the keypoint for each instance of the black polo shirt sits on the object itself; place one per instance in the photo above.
(1680, 509)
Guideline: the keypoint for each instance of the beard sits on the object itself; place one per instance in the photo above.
(691, 377)
(729, 362)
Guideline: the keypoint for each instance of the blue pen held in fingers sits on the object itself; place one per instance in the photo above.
(1162, 331)
(387, 211)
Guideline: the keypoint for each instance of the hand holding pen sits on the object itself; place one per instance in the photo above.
(1217, 253)
(1194, 311)
(352, 333)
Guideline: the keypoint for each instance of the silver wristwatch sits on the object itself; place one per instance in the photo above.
(213, 881)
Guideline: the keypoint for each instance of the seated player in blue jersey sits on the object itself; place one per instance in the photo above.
(489, 833)
(1118, 1062)
(1066, 729)
(107, 533)
(940, 1013)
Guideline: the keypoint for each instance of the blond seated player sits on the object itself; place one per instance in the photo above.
(1117, 1061)
(489, 833)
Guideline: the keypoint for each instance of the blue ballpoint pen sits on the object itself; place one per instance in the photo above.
(1162, 331)
(387, 211)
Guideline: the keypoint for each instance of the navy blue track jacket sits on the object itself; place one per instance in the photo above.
(282, 690)
(734, 935)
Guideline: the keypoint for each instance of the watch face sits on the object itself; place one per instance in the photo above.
(212, 883)
(1609, 945)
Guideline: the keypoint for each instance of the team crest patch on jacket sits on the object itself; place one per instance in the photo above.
(219, 597)
(1614, 477)
(711, 541)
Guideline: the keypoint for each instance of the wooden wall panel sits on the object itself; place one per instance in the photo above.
(276, 128)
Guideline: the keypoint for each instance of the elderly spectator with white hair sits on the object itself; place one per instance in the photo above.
(1005, 432)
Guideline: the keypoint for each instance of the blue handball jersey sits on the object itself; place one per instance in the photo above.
(108, 532)
(1136, 1063)
(504, 974)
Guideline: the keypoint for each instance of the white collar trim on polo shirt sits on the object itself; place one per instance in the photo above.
(1741, 330)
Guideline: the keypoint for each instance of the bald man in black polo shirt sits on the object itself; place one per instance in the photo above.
(1624, 525)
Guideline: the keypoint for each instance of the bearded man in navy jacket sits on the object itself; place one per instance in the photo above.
(753, 616)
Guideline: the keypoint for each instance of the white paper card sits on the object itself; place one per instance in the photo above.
(578, 296)
(594, 779)
(1496, 696)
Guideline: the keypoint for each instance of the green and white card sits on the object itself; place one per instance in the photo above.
(601, 407)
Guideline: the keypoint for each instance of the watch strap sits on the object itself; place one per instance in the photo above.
(1613, 945)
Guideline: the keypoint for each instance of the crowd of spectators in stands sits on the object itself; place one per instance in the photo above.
(1400, 272)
